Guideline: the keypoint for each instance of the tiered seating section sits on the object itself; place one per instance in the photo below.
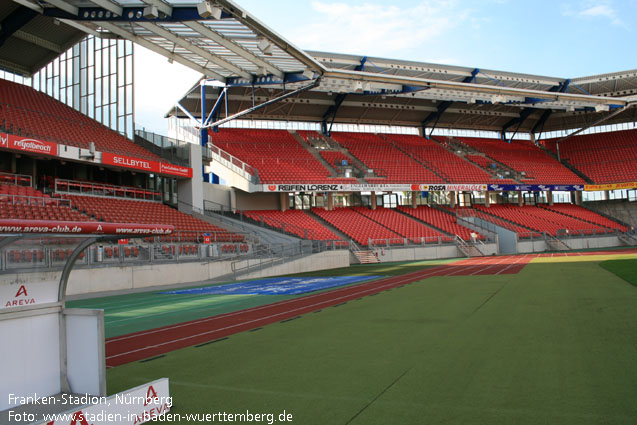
(522, 155)
(385, 159)
(403, 225)
(187, 227)
(451, 167)
(296, 222)
(604, 157)
(441, 220)
(358, 227)
(585, 215)
(543, 219)
(278, 156)
(26, 111)
(406, 159)
(335, 157)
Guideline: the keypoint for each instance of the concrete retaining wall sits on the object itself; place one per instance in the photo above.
(122, 278)
(416, 253)
(575, 243)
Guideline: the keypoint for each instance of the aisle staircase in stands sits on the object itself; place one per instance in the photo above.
(468, 249)
(556, 244)
(627, 239)
(363, 256)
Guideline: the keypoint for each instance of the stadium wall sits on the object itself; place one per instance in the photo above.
(106, 279)
(427, 252)
(257, 201)
(574, 243)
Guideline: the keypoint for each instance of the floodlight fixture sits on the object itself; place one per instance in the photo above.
(151, 12)
(207, 10)
(265, 47)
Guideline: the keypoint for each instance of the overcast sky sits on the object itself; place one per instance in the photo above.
(557, 38)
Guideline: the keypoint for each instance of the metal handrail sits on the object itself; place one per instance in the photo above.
(103, 189)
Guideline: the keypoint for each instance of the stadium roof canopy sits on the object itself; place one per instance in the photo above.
(253, 72)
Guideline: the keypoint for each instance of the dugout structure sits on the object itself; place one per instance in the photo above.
(48, 349)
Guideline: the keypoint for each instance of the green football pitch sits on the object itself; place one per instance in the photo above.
(554, 344)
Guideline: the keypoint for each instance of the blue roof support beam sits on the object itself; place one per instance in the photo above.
(539, 125)
(331, 114)
(526, 112)
(443, 106)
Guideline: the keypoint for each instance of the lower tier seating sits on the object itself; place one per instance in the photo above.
(358, 227)
(583, 214)
(542, 220)
(296, 222)
(402, 224)
(113, 210)
(441, 220)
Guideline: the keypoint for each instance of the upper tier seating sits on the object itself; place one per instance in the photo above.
(604, 157)
(402, 224)
(439, 219)
(296, 222)
(523, 156)
(450, 166)
(542, 220)
(385, 159)
(278, 156)
(335, 157)
(187, 227)
(586, 215)
(357, 226)
(26, 111)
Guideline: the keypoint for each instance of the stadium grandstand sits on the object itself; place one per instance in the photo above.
(281, 160)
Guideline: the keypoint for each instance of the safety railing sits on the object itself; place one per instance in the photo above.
(173, 150)
(35, 201)
(405, 242)
(269, 256)
(76, 187)
(233, 163)
(15, 179)
(38, 254)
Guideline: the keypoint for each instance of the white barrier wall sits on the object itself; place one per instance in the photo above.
(575, 243)
(102, 279)
(85, 351)
(29, 358)
(417, 253)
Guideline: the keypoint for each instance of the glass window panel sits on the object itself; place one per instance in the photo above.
(91, 80)
(113, 115)
(98, 63)
(129, 126)
(114, 88)
(129, 98)
(91, 107)
(98, 92)
(105, 90)
(129, 69)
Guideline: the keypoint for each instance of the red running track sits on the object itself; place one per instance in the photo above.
(141, 345)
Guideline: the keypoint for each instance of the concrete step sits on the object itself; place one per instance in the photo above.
(366, 257)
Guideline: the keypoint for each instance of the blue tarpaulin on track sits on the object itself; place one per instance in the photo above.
(276, 286)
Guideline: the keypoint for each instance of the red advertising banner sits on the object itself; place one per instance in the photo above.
(175, 170)
(83, 228)
(24, 144)
(145, 165)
